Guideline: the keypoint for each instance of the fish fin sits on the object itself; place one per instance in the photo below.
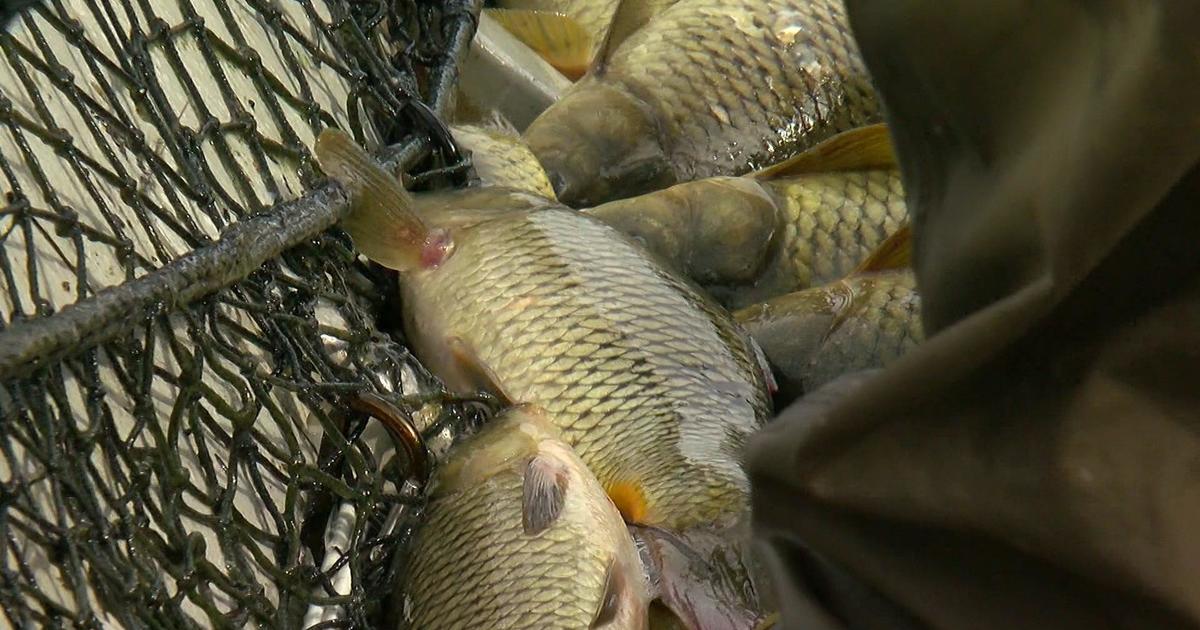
(629, 499)
(895, 252)
(544, 493)
(497, 123)
(763, 364)
(628, 16)
(474, 373)
(616, 591)
(692, 572)
(382, 220)
(557, 38)
(863, 148)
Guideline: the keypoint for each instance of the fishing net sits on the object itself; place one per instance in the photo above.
(184, 335)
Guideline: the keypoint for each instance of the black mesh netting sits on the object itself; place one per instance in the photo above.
(181, 334)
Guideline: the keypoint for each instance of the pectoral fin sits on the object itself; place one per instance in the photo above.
(628, 17)
(472, 374)
(545, 493)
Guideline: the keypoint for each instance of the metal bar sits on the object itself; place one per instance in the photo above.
(444, 77)
(242, 248)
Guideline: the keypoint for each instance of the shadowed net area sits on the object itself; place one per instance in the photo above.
(180, 325)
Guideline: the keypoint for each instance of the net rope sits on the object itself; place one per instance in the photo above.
(181, 454)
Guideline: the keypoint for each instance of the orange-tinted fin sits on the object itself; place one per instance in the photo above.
(895, 252)
(544, 493)
(475, 374)
(863, 148)
(559, 39)
(382, 221)
(629, 499)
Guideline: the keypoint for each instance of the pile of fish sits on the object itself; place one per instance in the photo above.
(706, 223)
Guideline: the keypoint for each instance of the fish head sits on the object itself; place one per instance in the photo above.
(514, 497)
(599, 143)
(791, 329)
(512, 437)
(717, 230)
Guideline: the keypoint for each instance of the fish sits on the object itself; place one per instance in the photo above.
(646, 378)
(706, 88)
(501, 159)
(803, 222)
(570, 33)
(863, 321)
(518, 533)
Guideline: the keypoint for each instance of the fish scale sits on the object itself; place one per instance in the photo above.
(474, 564)
(820, 79)
(706, 88)
(828, 224)
(860, 322)
(658, 394)
(883, 323)
(500, 158)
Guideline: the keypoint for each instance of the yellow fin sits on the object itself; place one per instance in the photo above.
(895, 252)
(382, 221)
(629, 499)
(559, 39)
(857, 149)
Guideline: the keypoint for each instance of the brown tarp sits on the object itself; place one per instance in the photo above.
(1036, 463)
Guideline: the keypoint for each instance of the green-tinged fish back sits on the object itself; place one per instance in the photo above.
(717, 87)
(744, 83)
(518, 534)
(829, 223)
(502, 159)
(650, 381)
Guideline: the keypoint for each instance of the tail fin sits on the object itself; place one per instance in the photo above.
(382, 222)
(559, 39)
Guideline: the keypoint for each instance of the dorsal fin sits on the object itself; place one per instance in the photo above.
(895, 252)
(628, 16)
(863, 148)
(382, 220)
(559, 39)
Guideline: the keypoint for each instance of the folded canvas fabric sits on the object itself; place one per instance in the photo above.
(1036, 462)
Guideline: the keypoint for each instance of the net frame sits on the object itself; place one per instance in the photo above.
(179, 448)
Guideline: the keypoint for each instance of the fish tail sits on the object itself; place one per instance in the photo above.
(383, 221)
